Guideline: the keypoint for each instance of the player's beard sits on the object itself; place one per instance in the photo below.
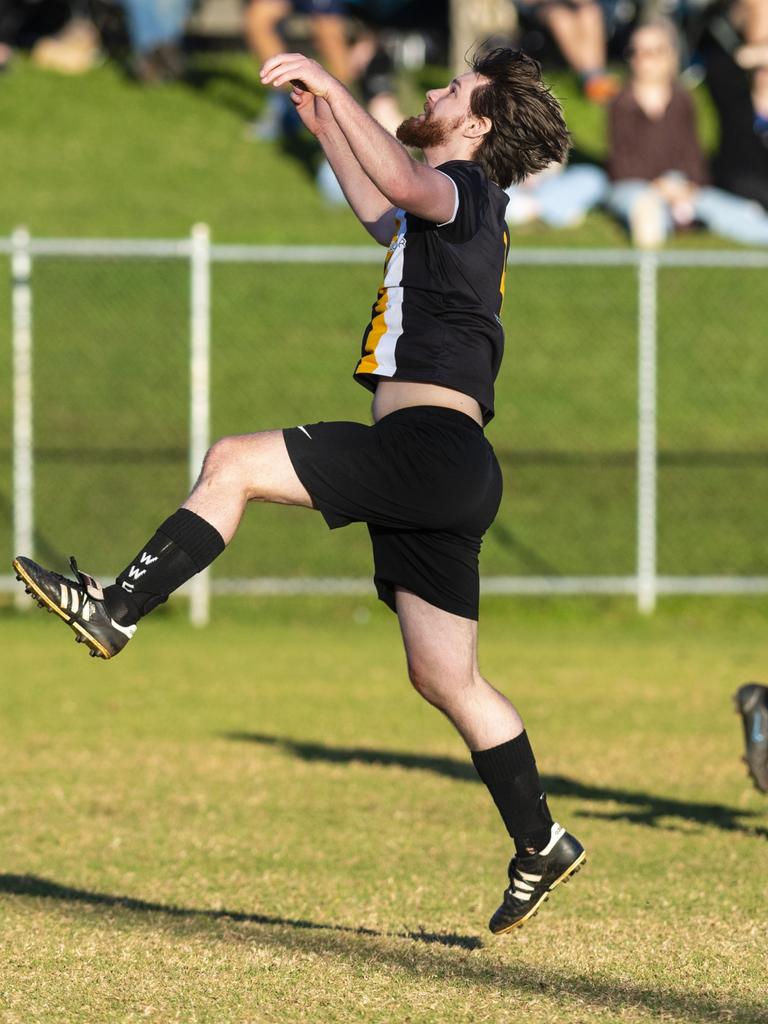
(426, 134)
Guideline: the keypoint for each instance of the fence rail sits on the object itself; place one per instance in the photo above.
(199, 254)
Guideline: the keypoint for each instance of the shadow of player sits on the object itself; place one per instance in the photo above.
(637, 808)
(32, 885)
(408, 954)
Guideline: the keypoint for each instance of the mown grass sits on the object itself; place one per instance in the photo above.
(260, 822)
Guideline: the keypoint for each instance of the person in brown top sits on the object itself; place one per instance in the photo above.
(656, 163)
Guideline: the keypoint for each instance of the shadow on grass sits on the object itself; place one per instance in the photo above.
(31, 885)
(639, 808)
(242, 95)
(228, 88)
(373, 948)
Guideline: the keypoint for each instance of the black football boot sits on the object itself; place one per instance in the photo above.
(751, 701)
(532, 878)
(79, 602)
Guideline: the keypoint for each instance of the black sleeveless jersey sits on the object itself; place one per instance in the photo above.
(436, 316)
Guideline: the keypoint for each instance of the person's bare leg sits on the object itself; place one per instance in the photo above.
(441, 652)
(236, 470)
(590, 27)
(569, 28)
(579, 32)
(261, 20)
(330, 38)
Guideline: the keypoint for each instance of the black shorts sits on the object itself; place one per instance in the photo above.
(427, 483)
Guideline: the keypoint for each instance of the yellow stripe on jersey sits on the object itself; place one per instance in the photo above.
(368, 364)
(502, 286)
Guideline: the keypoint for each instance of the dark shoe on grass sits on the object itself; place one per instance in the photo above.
(531, 879)
(79, 602)
(751, 702)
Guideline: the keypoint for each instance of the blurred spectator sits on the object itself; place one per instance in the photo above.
(736, 70)
(656, 164)
(75, 49)
(578, 29)
(155, 30)
(751, 16)
(740, 163)
(11, 17)
(64, 36)
(558, 196)
(364, 61)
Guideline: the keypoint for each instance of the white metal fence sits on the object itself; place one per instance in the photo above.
(645, 582)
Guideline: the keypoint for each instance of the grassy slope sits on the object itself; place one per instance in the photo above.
(260, 823)
(97, 156)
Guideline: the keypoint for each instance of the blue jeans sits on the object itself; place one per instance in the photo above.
(729, 216)
(564, 197)
(154, 22)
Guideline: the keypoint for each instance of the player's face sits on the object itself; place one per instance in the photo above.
(445, 111)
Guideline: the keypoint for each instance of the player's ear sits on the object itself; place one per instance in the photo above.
(475, 127)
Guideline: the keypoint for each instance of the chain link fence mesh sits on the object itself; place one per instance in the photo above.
(713, 424)
(111, 387)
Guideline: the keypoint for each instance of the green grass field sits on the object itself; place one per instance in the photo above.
(260, 822)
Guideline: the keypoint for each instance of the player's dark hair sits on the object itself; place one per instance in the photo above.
(528, 129)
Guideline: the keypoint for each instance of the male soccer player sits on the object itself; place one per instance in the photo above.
(422, 476)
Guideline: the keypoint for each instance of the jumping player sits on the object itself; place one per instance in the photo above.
(422, 476)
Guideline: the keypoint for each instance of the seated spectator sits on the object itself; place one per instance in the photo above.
(558, 196)
(363, 61)
(73, 50)
(156, 29)
(656, 164)
(751, 16)
(11, 17)
(578, 29)
(740, 162)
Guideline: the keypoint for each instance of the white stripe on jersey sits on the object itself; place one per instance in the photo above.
(393, 314)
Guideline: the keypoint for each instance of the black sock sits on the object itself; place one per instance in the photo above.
(509, 771)
(183, 546)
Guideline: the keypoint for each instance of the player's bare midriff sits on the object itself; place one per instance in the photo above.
(392, 395)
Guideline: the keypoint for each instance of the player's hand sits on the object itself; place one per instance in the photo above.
(313, 111)
(298, 70)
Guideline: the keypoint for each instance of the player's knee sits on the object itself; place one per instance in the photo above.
(221, 459)
(428, 681)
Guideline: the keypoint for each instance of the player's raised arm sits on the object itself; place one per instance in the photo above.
(374, 211)
(414, 187)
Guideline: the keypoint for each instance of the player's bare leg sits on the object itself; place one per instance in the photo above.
(236, 470)
(239, 469)
(441, 652)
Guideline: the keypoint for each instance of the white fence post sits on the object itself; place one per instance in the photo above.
(647, 582)
(23, 466)
(199, 398)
